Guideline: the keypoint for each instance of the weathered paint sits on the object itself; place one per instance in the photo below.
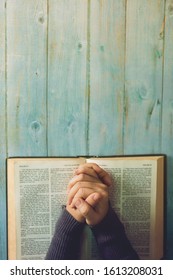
(3, 140)
(107, 41)
(86, 77)
(67, 55)
(26, 77)
(143, 76)
(167, 123)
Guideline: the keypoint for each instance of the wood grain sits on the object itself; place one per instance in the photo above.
(143, 74)
(3, 152)
(26, 77)
(167, 123)
(67, 78)
(107, 45)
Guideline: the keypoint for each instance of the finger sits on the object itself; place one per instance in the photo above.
(81, 177)
(76, 214)
(85, 169)
(103, 175)
(86, 210)
(89, 195)
(82, 193)
(93, 187)
(93, 199)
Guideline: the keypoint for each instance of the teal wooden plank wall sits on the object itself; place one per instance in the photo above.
(86, 77)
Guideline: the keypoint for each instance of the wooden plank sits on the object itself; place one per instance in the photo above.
(107, 41)
(3, 231)
(67, 83)
(167, 121)
(144, 55)
(26, 77)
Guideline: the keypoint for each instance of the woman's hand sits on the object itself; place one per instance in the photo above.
(88, 194)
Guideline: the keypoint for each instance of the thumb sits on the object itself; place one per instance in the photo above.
(86, 210)
(93, 199)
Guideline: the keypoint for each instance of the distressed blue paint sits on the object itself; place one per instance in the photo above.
(143, 76)
(107, 41)
(26, 77)
(167, 123)
(67, 94)
(3, 231)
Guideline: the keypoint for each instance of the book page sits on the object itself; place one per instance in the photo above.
(40, 188)
(37, 195)
(133, 196)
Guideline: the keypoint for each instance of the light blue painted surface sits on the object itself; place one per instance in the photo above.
(26, 77)
(2, 134)
(86, 77)
(167, 122)
(67, 78)
(143, 75)
(107, 56)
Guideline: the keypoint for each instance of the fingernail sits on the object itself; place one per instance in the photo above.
(95, 197)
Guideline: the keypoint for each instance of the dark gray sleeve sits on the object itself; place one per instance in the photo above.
(65, 243)
(111, 238)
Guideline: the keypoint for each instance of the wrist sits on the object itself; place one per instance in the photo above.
(75, 214)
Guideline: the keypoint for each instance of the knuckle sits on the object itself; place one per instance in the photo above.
(78, 185)
(96, 165)
(81, 192)
(84, 210)
(104, 194)
(81, 177)
(81, 168)
(102, 186)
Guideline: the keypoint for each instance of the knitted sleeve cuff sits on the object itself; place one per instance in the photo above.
(109, 223)
(111, 238)
(68, 224)
(66, 239)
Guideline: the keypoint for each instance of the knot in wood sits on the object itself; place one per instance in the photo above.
(143, 93)
(170, 10)
(41, 18)
(80, 46)
(35, 125)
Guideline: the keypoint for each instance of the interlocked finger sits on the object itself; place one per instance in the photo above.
(86, 169)
(101, 173)
(85, 187)
(81, 178)
(86, 210)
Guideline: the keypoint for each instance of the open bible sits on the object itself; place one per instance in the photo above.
(37, 193)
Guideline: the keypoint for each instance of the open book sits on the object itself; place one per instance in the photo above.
(37, 192)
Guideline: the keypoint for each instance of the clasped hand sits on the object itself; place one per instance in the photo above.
(88, 199)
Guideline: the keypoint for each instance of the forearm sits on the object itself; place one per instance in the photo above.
(66, 240)
(112, 240)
